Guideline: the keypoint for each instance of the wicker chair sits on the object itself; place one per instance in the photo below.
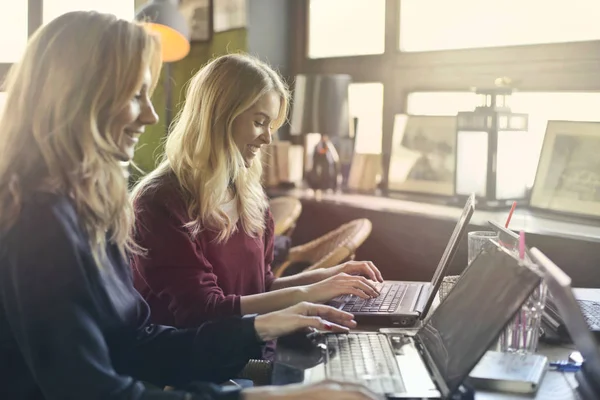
(330, 249)
(285, 210)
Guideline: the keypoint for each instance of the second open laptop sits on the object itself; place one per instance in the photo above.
(405, 303)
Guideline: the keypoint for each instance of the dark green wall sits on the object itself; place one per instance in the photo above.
(150, 146)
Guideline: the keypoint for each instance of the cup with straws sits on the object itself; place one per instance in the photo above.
(522, 333)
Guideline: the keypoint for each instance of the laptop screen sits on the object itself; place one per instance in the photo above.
(559, 284)
(450, 251)
(464, 326)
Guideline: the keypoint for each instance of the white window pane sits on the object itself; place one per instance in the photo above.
(346, 28)
(365, 101)
(540, 106)
(121, 8)
(13, 30)
(460, 24)
(2, 100)
(440, 103)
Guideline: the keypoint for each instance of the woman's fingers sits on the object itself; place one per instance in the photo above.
(365, 268)
(367, 271)
(363, 284)
(350, 390)
(376, 271)
(330, 314)
(323, 325)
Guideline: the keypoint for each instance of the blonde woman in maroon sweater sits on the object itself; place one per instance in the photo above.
(203, 218)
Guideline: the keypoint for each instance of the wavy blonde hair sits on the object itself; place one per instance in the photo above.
(200, 151)
(78, 72)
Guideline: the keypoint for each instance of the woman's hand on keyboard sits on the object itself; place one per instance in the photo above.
(303, 315)
(362, 268)
(327, 390)
(340, 284)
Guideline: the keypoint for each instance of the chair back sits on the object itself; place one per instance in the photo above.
(331, 249)
(286, 210)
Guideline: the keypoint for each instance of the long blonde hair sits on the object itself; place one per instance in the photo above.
(200, 151)
(77, 73)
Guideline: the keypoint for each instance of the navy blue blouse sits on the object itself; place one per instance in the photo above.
(71, 330)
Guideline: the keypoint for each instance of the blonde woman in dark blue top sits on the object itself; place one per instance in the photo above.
(71, 324)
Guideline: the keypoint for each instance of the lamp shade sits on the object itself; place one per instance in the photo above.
(321, 105)
(163, 16)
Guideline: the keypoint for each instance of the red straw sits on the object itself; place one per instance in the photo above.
(510, 214)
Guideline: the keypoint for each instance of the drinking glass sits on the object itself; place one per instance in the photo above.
(478, 241)
(522, 333)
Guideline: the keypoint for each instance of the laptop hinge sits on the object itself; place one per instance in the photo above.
(422, 299)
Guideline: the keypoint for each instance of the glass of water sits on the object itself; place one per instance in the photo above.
(478, 241)
(522, 333)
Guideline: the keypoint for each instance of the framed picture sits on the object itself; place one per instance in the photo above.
(422, 154)
(229, 14)
(198, 14)
(568, 174)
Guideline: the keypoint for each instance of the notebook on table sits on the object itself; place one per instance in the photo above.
(404, 303)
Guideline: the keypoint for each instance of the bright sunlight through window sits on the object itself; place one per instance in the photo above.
(541, 107)
(13, 30)
(121, 8)
(365, 101)
(427, 25)
(346, 28)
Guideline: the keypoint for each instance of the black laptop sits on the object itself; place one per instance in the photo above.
(433, 362)
(403, 303)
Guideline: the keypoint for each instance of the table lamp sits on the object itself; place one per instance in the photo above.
(320, 116)
(163, 17)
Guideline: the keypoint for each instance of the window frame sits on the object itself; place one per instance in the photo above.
(34, 21)
(552, 67)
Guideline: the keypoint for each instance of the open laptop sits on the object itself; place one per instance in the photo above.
(405, 303)
(559, 285)
(551, 317)
(433, 362)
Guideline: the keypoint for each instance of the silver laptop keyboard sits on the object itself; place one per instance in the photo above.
(591, 312)
(391, 295)
(365, 358)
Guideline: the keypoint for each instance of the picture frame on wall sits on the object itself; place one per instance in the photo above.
(199, 17)
(229, 15)
(568, 174)
(422, 158)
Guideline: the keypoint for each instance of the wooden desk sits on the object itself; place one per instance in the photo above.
(409, 237)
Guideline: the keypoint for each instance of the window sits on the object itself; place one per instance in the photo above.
(121, 8)
(2, 100)
(541, 107)
(346, 28)
(427, 25)
(365, 102)
(13, 30)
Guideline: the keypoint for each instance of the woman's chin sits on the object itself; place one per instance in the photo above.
(249, 159)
